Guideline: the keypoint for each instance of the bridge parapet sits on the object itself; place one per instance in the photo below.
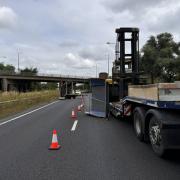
(12, 80)
(9, 73)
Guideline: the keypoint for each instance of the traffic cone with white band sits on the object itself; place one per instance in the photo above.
(79, 108)
(54, 144)
(73, 114)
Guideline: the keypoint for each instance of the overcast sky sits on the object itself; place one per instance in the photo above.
(69, 37)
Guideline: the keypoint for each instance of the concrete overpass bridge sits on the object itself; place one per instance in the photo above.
(19, 82)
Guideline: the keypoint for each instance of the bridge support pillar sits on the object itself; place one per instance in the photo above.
(60, 85)
(72, 88)
(62, 89)
(4, 84)
(66, 87)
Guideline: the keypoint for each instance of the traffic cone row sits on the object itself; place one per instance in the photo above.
(74, 113)
(79, 108)
(54, 144)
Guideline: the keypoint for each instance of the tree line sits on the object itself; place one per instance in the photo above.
(160, 58)
(8, 68)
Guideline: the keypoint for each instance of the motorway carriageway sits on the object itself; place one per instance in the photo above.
(91, 148)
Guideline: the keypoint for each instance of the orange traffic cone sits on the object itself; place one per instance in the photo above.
(79, 108)
(54, 144)
(73, 114)
(82, 101)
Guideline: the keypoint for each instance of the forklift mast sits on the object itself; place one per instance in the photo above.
(126, 65)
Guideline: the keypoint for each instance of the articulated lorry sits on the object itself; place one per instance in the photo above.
(154, 108)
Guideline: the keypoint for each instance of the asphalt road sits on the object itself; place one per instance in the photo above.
(97, 150)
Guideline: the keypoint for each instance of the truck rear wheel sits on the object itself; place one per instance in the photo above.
(139, 115)
(155, 136)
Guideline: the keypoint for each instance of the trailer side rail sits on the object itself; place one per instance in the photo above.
(153, 103)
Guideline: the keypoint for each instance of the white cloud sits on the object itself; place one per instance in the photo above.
(68, 44)
(75, 61)
(63, 37)
(95, 52)
(134, 7)
(8, 17)
(164, 19)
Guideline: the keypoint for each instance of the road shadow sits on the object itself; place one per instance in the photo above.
(173, 156)
(128, 121)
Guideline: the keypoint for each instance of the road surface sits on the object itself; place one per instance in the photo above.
(97, 149)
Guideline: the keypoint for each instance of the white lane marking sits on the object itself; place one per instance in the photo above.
(10, 120)
(74, 125)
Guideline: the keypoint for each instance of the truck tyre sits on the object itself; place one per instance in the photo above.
(139, 114)
(155, 136)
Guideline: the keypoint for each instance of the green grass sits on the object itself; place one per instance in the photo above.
(23, 101)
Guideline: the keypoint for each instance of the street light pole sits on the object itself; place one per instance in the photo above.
(18, 62)
(109, 43)
(108, 64)
(18, 59)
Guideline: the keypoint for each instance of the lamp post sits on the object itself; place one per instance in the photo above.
(109, 43)
(95, 70)
(18, 59)
(108, 64)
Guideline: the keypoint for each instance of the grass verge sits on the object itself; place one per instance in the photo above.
(13, 102)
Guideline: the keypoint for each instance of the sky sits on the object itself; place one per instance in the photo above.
(69, 37)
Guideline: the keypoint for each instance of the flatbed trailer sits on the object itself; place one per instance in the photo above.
(154, 108)
(123, 106)
(154, 121)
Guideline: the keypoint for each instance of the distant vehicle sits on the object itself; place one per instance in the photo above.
(78, 92)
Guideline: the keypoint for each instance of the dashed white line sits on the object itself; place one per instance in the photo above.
(74, 125)
(10, 120)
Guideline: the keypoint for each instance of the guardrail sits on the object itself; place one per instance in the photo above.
(9, 73)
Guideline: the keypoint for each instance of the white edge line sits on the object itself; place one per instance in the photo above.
(74, 125)
(10, 120)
